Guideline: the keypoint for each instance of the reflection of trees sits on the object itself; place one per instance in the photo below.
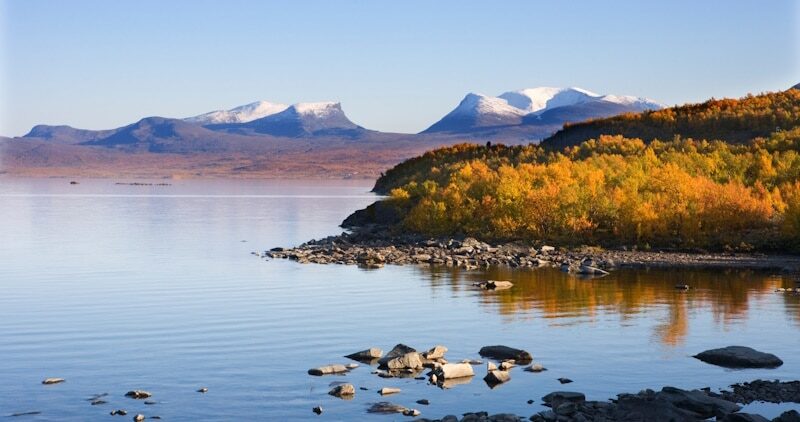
(549, 293)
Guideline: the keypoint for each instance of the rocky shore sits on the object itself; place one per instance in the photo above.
(374, 249)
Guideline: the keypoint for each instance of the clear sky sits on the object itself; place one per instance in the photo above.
(395, 66)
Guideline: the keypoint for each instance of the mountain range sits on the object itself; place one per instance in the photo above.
(265, 131)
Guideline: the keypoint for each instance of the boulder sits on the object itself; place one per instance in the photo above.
(396, 352)
(744, 417)
(366, 355)
(505, 352)
(411, 412)
(453, 370)
(388, 390)
(327, 370)
(536, 367)
(496, 377)
(739, 357)
(138, 394)
(50, 381)
(409, 360)
(437, 352)
(344, 390)
(555, 398)
(385, 407)
(698, 402)
(788, 416)
(138, 418)
(317, 410)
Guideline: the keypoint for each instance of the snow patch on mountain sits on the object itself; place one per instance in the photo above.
(241, 114)
(533, 100)
(479, 104)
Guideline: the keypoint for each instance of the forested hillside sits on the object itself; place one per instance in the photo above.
(616, 190)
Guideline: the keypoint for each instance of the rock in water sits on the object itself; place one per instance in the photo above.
(138, 418)
(386, 407)
(437, 352)
(327, 370)
(138, 394)
(118, 412)
(409, 360)
(203, 390)
(564, 380)
(505, 352)
(388, 390)
(317, 410)
(411, 412)
(496, 377)
(744, 417)
(451, 371)
(366, 355)
(51, 381)
(739, 357)
(396, 352)
(344, 390)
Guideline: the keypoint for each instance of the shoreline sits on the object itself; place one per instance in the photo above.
(371, 249)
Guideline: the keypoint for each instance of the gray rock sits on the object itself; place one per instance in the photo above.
(505, 352)
(388, 390)
(788, 416)
(138, 394)
(409, 360)
(436, 352)
(739, 357)
(698, 402)
(344, 390)
(317, 410)
(118, 412)
(138, 418)
(396, 352)
(555, 398)
(366, 355)
(51, 381)
(497, 377)
(744, 417)
(385, 407)
(327, 370)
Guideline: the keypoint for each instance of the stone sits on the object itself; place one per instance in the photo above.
(788, 416)
(51, 381)
(343, 390)
(505, 352)
(555, 398)
(490, 366)
(366, 355)
(351, 366)
(546, 249)
(498, 285)
(564, 380)
(589, 270)
(203, 390)
(388, 390)
(497, 377)
(506, 365)
(536, 367)
(317, 410)
(98, 402)
(385, 407)
(744, 417)
(138, 418)
(138, 394)
(698, 402)
(396, 352)
(739, 357)
(436, 352)
(409, 360)
(327, 370)
(118, 412)
(411, 412)
(423, 402)
(453, 370)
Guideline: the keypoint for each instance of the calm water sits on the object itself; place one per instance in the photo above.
(146, 287)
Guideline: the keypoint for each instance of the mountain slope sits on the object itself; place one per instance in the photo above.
(299, 120)
(487, 117)
(241, 114)
(730, 120)
(66, 134)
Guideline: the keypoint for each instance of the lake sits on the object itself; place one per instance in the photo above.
(120, 287)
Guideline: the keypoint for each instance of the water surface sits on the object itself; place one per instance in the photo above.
(118, 287)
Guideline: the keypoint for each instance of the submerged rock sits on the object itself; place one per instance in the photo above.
(739, 357)
(327, 370)
(505, 352)
(344, 390)
(366, 355)
(138, 394)
(385, 407)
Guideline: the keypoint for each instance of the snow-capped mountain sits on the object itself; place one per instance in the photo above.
(543, 106)
(477, 110)
(241, 114)
(301, 119)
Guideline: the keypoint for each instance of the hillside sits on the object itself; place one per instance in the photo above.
(729, 120)
(612, 190)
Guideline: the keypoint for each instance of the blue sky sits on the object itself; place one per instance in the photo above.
(395, 66)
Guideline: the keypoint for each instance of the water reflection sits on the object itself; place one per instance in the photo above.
(730, 296)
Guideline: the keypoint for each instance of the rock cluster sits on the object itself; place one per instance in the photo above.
(759, 390)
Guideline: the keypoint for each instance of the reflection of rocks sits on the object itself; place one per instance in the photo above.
(739, 357)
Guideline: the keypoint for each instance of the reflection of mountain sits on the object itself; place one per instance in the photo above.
(564, 299)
